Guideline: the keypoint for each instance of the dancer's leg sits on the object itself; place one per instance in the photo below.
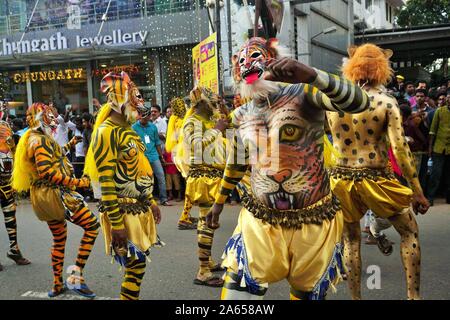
(132, 279)
(406, 226)
(59, 232)
(352, 255)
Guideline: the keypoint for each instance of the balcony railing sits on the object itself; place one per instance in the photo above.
(54, 14)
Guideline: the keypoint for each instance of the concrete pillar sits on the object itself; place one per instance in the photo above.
(90, 88)
(29, 91)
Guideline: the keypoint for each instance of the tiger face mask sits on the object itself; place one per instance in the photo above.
(40, 115)
(249, 65)
(123, 95)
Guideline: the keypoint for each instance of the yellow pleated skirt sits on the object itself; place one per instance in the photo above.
(385, 197)
(141, 230)
(202, 189)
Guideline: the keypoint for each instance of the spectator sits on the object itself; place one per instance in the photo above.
(172, 178)
(88, 122)
(421, 84)
(159, 122)
(439, 151)
(78, 160)
(168, 114)
(400, 82)
(410, 91)
(97, 106)
(441, 100)
(148, 133)
(64, 125)
(422, 106)
(17, 125)
(416, 138)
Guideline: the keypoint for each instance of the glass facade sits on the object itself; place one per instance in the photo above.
(160, 69)
(63, 88)
(49, 14)
(15, 93)
(176, 72)
(141, 69)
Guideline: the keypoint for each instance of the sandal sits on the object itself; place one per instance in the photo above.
(217, 268)
(18, 258)
(193, 220)
(186, 226)
(385, 245)
(82, 289)
(370, 240)
(52, 293)
(213, 281)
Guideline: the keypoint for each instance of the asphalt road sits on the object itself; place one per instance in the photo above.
(173, 267)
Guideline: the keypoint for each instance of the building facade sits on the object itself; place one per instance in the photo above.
(314, 32)
(58, 51)
(376, 14)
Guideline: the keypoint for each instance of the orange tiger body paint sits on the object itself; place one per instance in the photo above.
(7, 201)
(43, 167)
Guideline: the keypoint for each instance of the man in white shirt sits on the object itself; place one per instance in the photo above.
(64, 125)
(159, 122)
(78, 160)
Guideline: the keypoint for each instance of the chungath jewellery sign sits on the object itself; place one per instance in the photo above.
(144, 32)
(58, 42)
(49, 75)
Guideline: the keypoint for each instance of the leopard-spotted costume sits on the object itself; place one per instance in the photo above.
(362, 178)
(291, 224)
(42, 167)
(117, 165)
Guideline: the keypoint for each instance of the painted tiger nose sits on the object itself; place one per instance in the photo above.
(280, 176)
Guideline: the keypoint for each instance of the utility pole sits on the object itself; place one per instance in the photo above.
(219, 48)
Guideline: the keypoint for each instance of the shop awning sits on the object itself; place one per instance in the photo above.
(422, 43)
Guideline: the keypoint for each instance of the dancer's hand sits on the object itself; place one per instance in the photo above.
(75, 140)
(290, 71)
(420, 203)
(120, 242)
(212, 218)
(156, 213)
(84, 182)
(221, 125)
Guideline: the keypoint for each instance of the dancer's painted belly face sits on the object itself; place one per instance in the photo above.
(286, 157)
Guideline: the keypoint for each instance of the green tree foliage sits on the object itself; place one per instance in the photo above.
(420, 12)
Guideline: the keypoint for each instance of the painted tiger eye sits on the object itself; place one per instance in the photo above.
(132, 152)
(290, 131)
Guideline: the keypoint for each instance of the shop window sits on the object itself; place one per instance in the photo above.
(63, 84)
(141, 70)
(176, 72)
(14, 93)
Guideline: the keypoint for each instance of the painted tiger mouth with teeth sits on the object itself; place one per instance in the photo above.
(281, 200)
(248, 72)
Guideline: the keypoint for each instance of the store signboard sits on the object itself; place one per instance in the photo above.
(59, 42)
(154, 31)
(49, 75)
(205, 64)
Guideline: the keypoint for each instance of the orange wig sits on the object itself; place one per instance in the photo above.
(368, 63)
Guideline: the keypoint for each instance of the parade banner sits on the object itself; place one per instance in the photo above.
(204, 61)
